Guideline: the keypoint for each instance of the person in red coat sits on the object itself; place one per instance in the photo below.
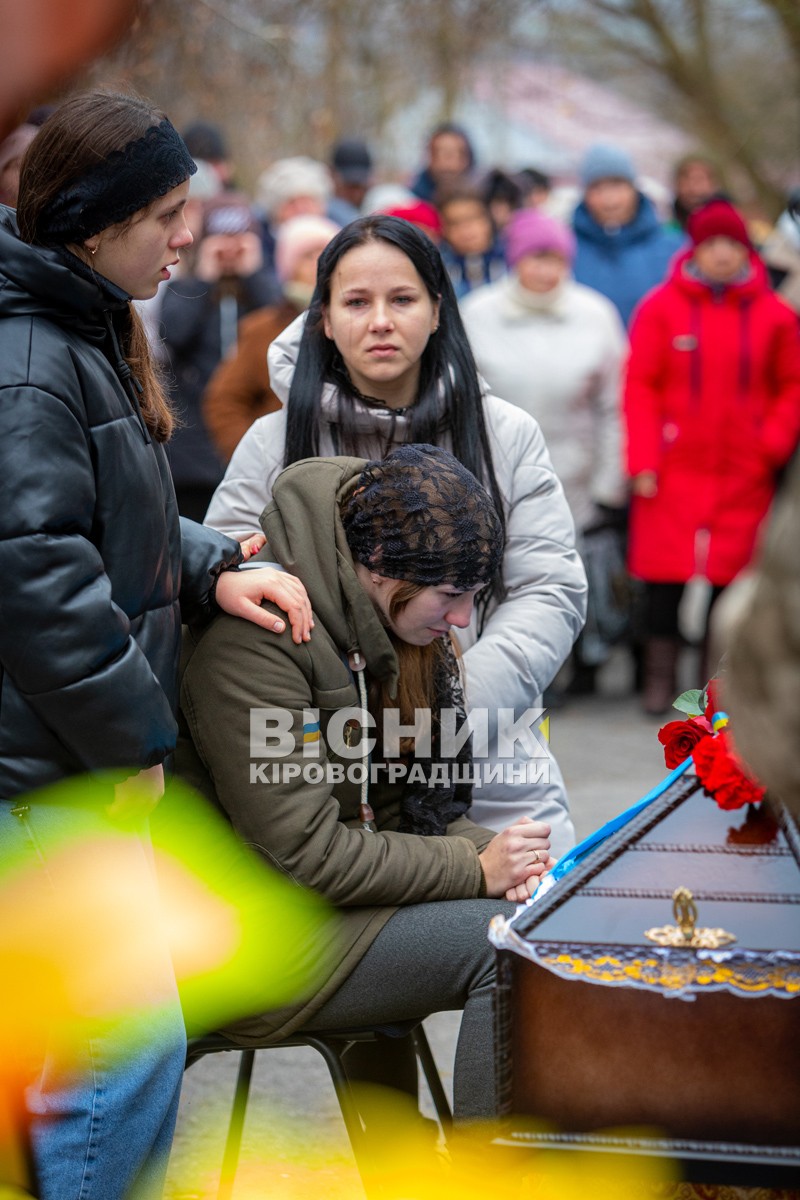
(712, 408)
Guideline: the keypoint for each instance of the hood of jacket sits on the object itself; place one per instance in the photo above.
(38, 281)
(644, 224)
(744, 291)
(305, 535)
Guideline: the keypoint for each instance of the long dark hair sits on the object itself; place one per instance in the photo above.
(81, 132)
(450, 401)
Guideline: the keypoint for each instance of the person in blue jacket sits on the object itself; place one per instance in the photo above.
(98, 573)
(623, 248)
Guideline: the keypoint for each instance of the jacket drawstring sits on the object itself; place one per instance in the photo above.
(365, 813)
(129, 380)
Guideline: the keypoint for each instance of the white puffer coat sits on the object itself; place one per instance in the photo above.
(527, 637)
(561, 362)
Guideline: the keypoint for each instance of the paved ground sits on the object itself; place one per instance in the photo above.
(295, 1144)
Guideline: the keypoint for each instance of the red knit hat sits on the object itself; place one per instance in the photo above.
(718, 218)
(418, 213)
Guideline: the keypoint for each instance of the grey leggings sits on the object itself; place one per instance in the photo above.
(428, 958)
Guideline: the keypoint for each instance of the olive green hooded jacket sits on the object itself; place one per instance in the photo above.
(311, 830)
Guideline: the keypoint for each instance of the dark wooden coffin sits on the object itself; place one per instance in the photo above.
(694, 1054)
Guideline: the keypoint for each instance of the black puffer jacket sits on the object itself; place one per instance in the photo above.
(95, 568)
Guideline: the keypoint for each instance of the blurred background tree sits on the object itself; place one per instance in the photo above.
(728, 73)
(290, 76)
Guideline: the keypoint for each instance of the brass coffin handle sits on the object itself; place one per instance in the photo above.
(686, 932)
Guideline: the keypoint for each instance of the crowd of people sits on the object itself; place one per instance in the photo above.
(550, 281)
(416, 410)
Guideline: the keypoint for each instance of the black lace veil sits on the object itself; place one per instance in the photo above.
(419, 515)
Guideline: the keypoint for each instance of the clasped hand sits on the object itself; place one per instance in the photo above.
(515, 860)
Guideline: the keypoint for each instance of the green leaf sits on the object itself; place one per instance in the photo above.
(690, 702)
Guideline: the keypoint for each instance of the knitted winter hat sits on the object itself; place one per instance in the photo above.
(606, 162)
(530, 231)
(383, 196)
(718, 218)
(418, 213)
(291, 177)
(296, 237)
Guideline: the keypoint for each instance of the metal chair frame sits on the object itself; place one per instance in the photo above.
(331, 1045)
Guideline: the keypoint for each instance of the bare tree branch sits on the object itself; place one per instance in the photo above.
(788, 14)
(673, 38)
(284, 76)
(256, 29)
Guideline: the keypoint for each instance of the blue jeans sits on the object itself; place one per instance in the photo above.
(103, 1110)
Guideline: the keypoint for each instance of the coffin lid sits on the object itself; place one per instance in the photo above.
(742, 868)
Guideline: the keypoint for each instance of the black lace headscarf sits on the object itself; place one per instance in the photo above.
(420, 516)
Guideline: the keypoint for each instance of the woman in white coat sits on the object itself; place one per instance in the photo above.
(555, 348)
(382, 359)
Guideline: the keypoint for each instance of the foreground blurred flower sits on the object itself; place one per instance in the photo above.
(86, 927)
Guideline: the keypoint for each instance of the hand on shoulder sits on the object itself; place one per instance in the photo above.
(240, 594)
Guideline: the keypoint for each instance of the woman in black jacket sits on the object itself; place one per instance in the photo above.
(98, 572)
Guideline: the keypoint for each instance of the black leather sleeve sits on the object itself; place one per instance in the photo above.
(205, 553)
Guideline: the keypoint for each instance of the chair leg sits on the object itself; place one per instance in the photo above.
(433, 1080)
(332, 1054)
(363, 1149)
(233, 1143)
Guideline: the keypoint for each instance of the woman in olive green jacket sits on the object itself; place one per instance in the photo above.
(392, 554)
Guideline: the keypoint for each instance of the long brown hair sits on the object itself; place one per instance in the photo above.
(83, 131)
(418, 668)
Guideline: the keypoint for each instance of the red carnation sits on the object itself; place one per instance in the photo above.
(679, 739)
(722, 776)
